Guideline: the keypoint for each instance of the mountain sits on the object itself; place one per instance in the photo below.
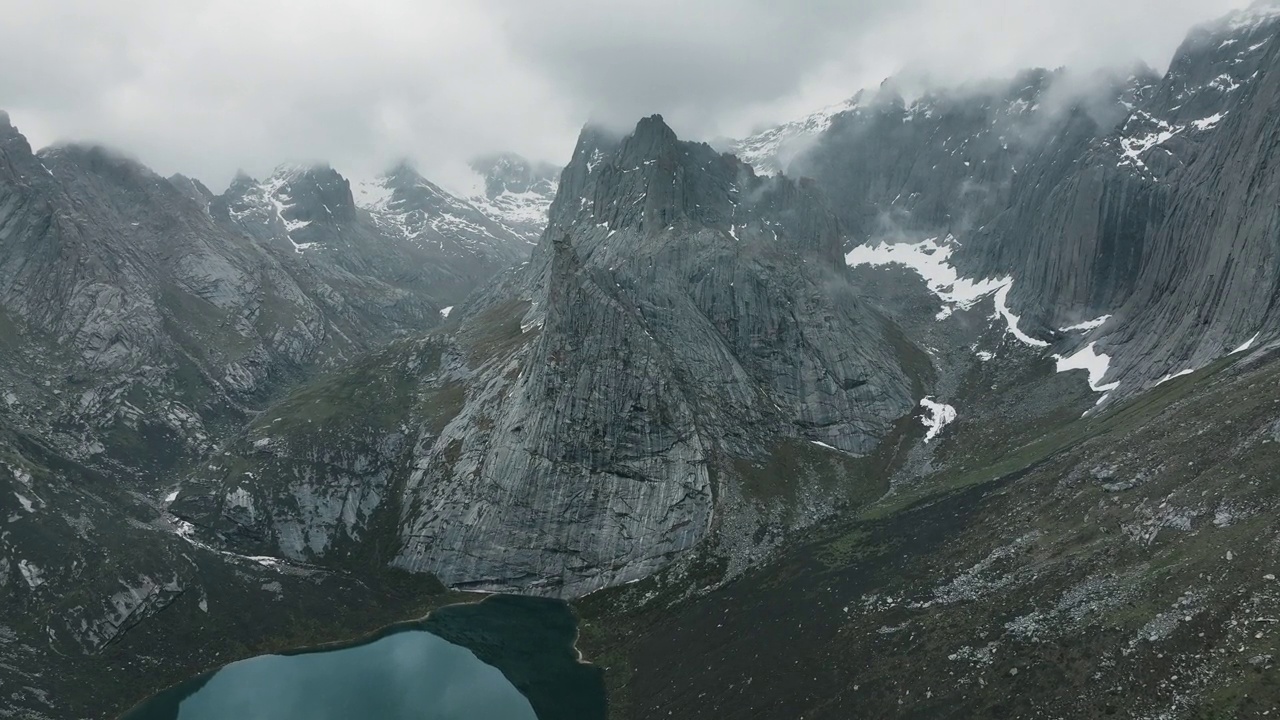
(959, 405)
(404, 204)
(1035, 554)
(1190, 162)
(423, 240)
(771, 150)
(516, 192)
(628, 324)
(142, 321)
(1104, 196)
(196, 307)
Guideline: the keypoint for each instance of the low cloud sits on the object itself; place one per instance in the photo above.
(205, 88)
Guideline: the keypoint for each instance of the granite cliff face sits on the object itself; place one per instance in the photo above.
(143, 320)
(1124, 196)
(870, 397)
(680, 315)
(195, 305)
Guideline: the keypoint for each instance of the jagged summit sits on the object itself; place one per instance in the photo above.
(95, 155)
(650, 180)
(514, 191)
(407, 206)
(637, 297)
(193, 188)
(1258, 14)
(509, 173)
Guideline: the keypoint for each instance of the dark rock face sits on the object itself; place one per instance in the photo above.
(945, 163)
(1161, 213)
(193, 189)
(1214, 250)
(1135, 197)
(679, 313)
(706, 310)
(142, 320)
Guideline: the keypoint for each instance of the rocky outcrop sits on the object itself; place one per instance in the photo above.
(580, 430)
(143, 321)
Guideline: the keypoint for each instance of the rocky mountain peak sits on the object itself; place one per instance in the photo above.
(1216, 61)
(318, 193)
(515, 192)
(99, 160)
(1260, 13)
(403, 190)
(17, 159)
(301, 202)
(651, 181)
(406, 206)
(192, 188)
(508, 172)
(403, 168)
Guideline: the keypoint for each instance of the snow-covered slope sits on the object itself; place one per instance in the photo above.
(406, 206)
(768, 151)
(515, 192)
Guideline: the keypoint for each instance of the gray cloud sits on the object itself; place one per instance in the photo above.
(207, 87)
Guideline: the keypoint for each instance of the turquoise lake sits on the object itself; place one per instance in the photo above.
(408, 675)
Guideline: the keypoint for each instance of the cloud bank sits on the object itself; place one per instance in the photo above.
(205, 88)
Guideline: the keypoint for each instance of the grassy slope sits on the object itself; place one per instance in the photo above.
(1053, 567)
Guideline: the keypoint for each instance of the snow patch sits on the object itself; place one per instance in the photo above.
(1171, 376)
(1248, 344)
(939, 416)
(819, 443)
(171, 496)
(1011, 320)
(1209, 122)
(930, 259)
(1134, 147)
(25, 502)
(373, 195)
(444, 311)
(1087, 325)
(1092, 362)
(1225, 83)
(768, 152)
(31, 573)
(594, 160)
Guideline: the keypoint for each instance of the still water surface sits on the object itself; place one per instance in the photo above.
(409, 675)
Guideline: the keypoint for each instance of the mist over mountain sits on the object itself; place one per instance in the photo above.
(955, 398)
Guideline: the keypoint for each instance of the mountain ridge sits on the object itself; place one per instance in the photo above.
(971, 375)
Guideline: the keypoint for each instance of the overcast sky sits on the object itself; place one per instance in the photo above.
(208, 86)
